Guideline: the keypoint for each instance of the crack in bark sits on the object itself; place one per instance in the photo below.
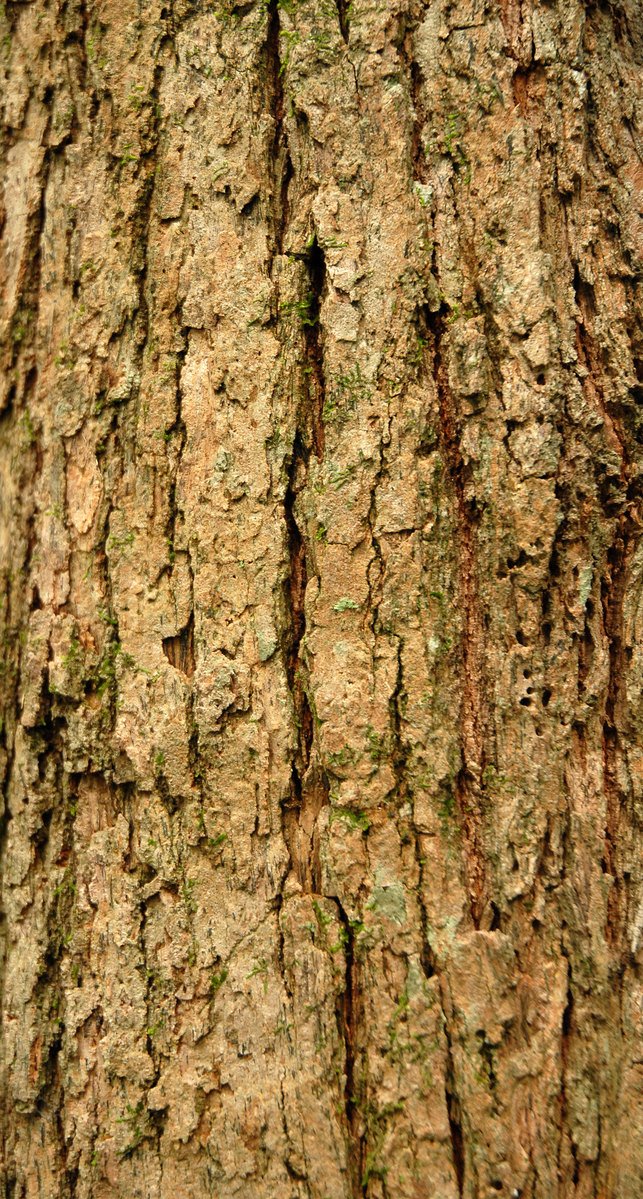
(469, 785)
(308, 784)
(427, 957)
(314, 381)
(627, 501)
(296, 818)
(453, 1102)
(566, 1036)
(418, 154)
(343, 15)
(415, 84)
(349, 1018)
(177, 428)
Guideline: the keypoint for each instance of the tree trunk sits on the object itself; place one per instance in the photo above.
(322, 635)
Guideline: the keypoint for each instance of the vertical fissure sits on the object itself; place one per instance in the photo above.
(309, 785)
(296, 592)
(348, 1019)
(418, 153)
(314, 382)
(343, 16)
(566, 1034)
(621, 499)
(427, 957)
(469, 784)
(453, 1107)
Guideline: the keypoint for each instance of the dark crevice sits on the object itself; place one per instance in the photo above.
(418, 110)
(309, 785)
(454, 1115)
(619, 492)
(469, 785)
(566, 1035)
(175, 438)
(348, 1020)
(427, 957)
(418, 154)
(297, 582)
(457, 1143)
(343, 14)
(398, 757)
(315, 381)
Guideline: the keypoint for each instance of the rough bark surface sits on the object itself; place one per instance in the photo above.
(322, 620)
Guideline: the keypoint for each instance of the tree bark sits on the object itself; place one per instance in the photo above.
(322, 632)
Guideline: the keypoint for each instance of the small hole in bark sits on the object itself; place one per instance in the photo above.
(519, 561)
(525, 701)
(547, 631)
(539, 731)
(520, 637)
(540, 379)
(526, 674)
(546, 696)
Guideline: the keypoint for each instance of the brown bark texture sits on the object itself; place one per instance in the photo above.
(322, 599)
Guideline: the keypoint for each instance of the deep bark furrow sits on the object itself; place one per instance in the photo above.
(295, 815)
(625, 501)
(453, 1112)
(469, 785)
(343, 15)
(349, 1020)
(309, 786)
